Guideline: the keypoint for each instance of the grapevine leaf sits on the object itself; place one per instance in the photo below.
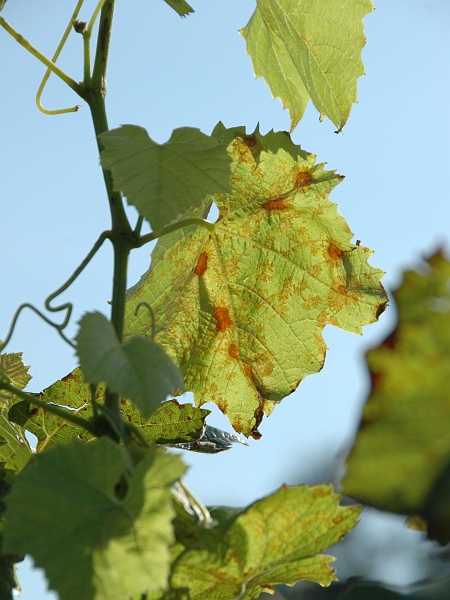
(14, 451)
(179, 6)
(99, 527)
(8, 574)
(2, 4)
(51, 430)
(139, 370)
(276, 540)
(241, 307)
(402, 446)
(12, 366)
(306, 49)
(163, 181)
(172, 423)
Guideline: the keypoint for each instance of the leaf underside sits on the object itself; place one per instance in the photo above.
(241, 308)
(307, 49)
(402, 449)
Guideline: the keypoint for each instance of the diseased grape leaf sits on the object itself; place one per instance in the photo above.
(98, 526)
(11, 364)
(139, 370)
(308, 49)
(403, 443)
(51, 430)
(180, 6)
(240, 306)
(14, 449)
(164, 180)
(172, 423)
(276, 540)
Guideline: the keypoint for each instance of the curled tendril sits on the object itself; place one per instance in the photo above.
(67, 306)
(61, 44)
(150, 312)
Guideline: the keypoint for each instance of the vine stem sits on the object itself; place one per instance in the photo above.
(46, 61)
(51, 408)
(122, 236)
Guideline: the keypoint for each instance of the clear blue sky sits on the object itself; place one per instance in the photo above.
(166, 72)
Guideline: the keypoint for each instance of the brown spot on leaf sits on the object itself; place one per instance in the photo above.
(334, 252)
(342, 289)
(248, 371)
(374, 379)
(233, 351)
(277, 204)
(304, 178)
(222, 317)
(391, 340)
(68, 377)
(358, 242)
(380, 309)
(202, 263)
(249, 141)
(284, 486)
(339, 519)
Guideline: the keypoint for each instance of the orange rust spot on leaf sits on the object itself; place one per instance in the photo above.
(222, 317)
(339, 519)
(277, 204)
(304, 178)
(233, 351)
(342, 289)
(202, 263)
(334, 252)
(248, 372)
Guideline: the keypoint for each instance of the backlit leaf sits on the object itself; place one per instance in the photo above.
(11, 364)
(14, 449)
(403, 443)
(139, 370)
(308, 49)
(276, 540)
(180, 6)
(240, 306)
(164, 180)
(98, 526)
(172, 423)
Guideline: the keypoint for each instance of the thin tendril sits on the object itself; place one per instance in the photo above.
(151, 313)
(54, 59)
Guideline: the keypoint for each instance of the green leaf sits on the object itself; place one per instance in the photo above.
(179, 6)
(8, 572)
(403, 444)
(3, 2)
(12, 366)
(99, 527)
(51, 430)
(276, 540)
(14, 450)
(241, 307)
(163, 181)
(308, 49)
(139, 370)
(172, 423)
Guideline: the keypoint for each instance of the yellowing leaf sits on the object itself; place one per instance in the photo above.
(98, 526)
(276, 540)
(240, 306)
(403, 444)
(309, 49)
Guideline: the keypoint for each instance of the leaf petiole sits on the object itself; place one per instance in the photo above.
(150, 237)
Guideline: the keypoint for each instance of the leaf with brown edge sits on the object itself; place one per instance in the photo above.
(241, 308)
(402, 448)
(278, 539)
